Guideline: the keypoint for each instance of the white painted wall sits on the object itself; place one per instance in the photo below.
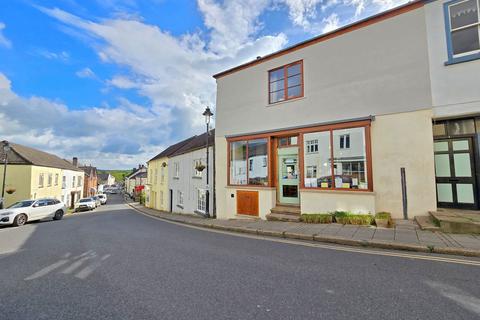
(455, 88)
(68, 187)
(187, 182)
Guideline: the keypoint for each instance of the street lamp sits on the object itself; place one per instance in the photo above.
(6, 150)
(207, 114)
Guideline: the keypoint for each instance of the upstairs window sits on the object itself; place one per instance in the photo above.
(286, 82)
(463, 27)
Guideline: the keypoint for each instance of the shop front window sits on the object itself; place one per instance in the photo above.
(251, 155)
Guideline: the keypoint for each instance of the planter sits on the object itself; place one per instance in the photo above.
(10, 190)
(200, 167)
(382, 223)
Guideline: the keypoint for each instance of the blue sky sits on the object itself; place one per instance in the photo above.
(113, 82)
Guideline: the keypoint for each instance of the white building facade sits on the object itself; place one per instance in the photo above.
(72, 186)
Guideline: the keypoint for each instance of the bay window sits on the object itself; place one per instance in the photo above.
(249, 162)
(342, 167)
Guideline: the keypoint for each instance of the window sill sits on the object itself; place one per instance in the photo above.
(338, 191)
(176, 178)
(468, 58)
(285, 101)
(246, 187)
(195, 177)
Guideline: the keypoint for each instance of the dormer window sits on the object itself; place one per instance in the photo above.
(286, 83)
(463, 30)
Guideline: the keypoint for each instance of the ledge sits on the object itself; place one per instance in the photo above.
(259, 188)
(365, 193)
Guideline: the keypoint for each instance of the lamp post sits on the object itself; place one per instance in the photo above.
(207, 114)
(6, 150)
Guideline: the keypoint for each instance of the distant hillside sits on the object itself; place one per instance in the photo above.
(118, 174)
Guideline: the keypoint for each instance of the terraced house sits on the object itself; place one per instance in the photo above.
(34, 174)
(380, 115)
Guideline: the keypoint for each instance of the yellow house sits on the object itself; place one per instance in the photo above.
(157, 178)
(32, 174)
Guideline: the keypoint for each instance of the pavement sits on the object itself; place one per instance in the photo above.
(406, 235)
(116, 263)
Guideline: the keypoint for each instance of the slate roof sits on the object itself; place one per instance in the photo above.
(89, 170)
(172, 149)
(103, 176)
(196, 143)
(20, 154)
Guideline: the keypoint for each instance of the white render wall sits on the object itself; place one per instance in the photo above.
(379, 69)
(66, 192)
(455, 88)
(187, 182)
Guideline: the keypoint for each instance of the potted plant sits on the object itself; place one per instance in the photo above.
(383, 219)
(10, 190)
(200, 167)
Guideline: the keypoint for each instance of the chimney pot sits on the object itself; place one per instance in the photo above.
(75, 161)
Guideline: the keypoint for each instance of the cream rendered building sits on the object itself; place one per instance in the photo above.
(336, 119)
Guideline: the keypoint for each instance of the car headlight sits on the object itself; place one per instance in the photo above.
(6, 213)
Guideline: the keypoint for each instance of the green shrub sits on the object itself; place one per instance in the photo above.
(383, 215)
(142, 198)
(345, 217)
(317, 218)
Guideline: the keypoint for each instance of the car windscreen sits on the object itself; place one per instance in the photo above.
(85, 200)
(21, 204)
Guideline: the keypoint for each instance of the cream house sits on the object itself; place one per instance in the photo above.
(380, 115)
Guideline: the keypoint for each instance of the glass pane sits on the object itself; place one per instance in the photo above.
(461, 127)
(293, 70)
(465, 40)
(277, 96)
(442, 165)
(294, 141)
(289, 169)
(290, 191)
(440, 146)
(277, 85)
(258, 162)
(439, 129)
(277, 75)
(322, 175)
(350, 164)
(465, 193)
(463, 14)
(294, 81)
(462, 165)
(294, 91)
(444, 192)
(460, 145)
(238, 162)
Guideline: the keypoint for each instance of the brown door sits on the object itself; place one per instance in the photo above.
(247, 202)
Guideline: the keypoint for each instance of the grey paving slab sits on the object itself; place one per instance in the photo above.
(407, 236)
(364, 234)
(384, 234)
(347, 231)
(331, 229)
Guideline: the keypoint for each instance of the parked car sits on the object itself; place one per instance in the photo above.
(85, 204)
(103, 198)
(98, 203)
(21, 212)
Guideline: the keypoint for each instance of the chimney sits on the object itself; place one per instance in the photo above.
(75, 161)
(140, 166)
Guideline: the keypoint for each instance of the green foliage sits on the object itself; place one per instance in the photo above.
(142, 197)
(317, 218)
(383, 215)
(345, 217)
(118, 174)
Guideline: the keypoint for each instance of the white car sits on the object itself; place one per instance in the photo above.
(30, 210)
(85, 204)
(103, 198)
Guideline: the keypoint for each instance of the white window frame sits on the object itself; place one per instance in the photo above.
(201, 200)
(312, 146)
(162, 174)
(49, 179)
(343, 141)
(41, 180)
(176, 170)
(179, 198)
(451, 30)
(310, 170)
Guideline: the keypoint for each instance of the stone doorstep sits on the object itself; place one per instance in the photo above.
(375, 243)
(456, 222)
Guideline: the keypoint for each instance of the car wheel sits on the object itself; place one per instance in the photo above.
(58, 215)
(20, 220)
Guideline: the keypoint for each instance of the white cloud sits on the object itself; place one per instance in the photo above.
(3, 40)
(332, 22)
(302, 12)
(86, 73)
(62, 55)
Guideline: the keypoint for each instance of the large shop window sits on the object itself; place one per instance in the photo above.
(286, 82)
(249, 162)
(343, 167)
(463, 27)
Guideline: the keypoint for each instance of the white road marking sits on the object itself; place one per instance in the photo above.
(83, 254)
(461, 297)
(87, 271)
(77, 264)
(46, 270)
(325, 246)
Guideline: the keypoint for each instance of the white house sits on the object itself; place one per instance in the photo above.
(72, 185)
(341, 116)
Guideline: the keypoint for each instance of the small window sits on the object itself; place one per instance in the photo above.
(56, 179)
(50, 178)
(312, 146)
(162, 175)
(79, 184)
(286, 82)
(64, 182)
(41, 180)
(73, 182)
(201, 200)
(176, 167)
(463, 30)
(180, 198)
(345, 141)
(288, 141)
